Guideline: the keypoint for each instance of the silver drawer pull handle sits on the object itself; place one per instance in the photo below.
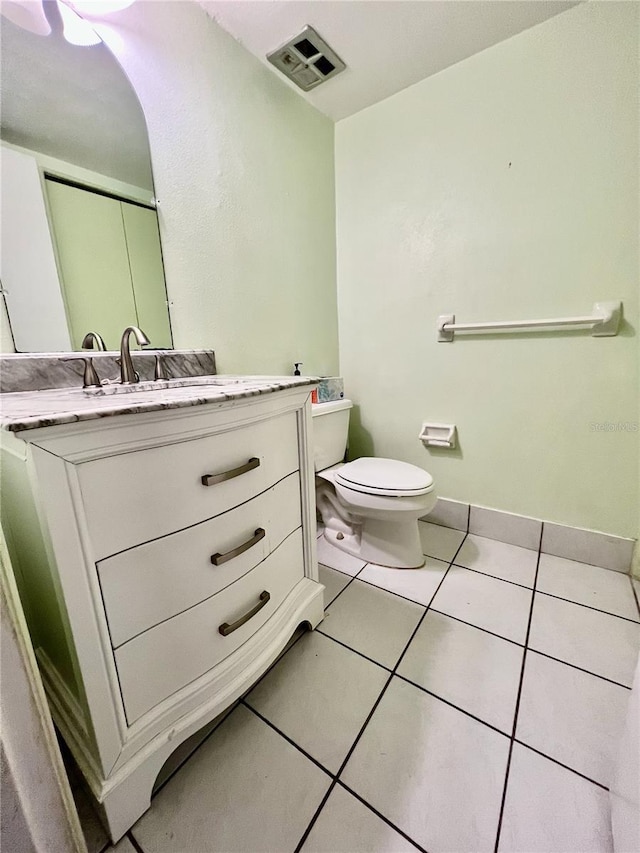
(226, 629)
(219, 559)
(212, 479)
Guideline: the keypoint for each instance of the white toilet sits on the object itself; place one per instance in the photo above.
(370, 507)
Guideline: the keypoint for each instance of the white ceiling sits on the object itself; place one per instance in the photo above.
(386, 44)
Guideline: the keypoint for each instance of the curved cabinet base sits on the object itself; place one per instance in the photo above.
(126, 794)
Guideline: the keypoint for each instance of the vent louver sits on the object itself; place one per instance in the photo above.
(307, 60)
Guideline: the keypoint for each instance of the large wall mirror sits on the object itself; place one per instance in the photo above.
(81, 246)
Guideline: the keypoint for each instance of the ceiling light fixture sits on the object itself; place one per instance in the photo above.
(31, 16)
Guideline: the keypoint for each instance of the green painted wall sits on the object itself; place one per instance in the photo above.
(244, 173)
(504, 187)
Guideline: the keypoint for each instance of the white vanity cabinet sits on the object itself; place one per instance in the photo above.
(164, 560)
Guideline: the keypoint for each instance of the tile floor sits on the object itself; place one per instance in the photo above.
(471, 705)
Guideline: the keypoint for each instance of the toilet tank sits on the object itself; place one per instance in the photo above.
(330, 431)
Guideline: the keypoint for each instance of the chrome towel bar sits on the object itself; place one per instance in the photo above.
(604, 320)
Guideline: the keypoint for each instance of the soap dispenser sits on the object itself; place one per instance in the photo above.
(296, 368)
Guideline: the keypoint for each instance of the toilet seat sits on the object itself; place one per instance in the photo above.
(388, 477)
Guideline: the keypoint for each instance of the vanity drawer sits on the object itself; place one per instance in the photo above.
(136, 497)
(156, 664)
(148, 584)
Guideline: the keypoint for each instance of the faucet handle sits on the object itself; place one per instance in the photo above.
(160, 370)
(90, 378)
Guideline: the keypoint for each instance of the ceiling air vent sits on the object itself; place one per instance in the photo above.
(307, 60)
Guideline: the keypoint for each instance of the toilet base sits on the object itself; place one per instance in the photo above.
(393, 544)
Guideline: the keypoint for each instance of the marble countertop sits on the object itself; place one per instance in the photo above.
(32, 409)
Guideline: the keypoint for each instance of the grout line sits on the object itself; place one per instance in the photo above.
(633, 590)
(315, 817)
(380, 815)
(329, 773)
(134, 843)
(366, 722)
(495, 577)
(341, 571)
(429, 557)
(433, 609)
(485, 631)
(579, 668)
(102, 849)
(468, 518)
(588, 606)
(519, 696)
(301, 749)
(355, 651)
(360, 571)
(348, 584)
(226, 713)
(477, 627)
(390, 591)
(560, 764)
(313, 820)
(451, 705)
(305, 835)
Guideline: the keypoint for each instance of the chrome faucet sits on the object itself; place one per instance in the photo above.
(89, 338)
(128, 375)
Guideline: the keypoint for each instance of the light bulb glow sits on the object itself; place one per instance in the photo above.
(76, 30)
(98, 8)
(27, 14)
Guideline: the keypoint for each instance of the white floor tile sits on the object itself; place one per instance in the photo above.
(550, 809)
(246, 788)
(439, 542)
(417, 584)
(598, 642)
(372, 622)
(345, 825)
(600, 588)
(509, 562)
(474, 670)
(500, 607)
(333, 581)
(515, 529)
(334, 558)
(571, 716)
(186, 748)
(320, 694)
(408, 766)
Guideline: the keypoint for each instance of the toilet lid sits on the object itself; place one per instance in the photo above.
(384, 477)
